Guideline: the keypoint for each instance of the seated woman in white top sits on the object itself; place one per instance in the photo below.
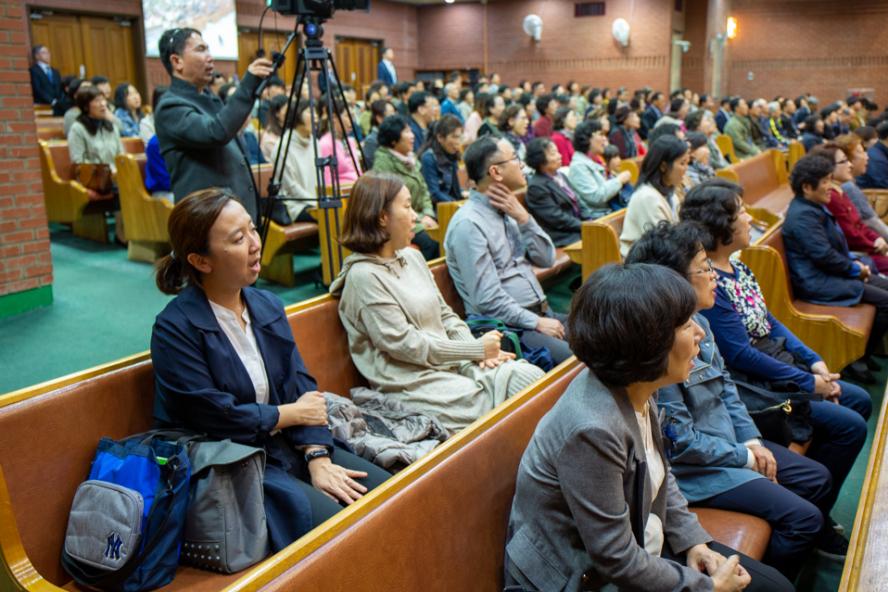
(93, 138)
(662, 171)
(299, 180)
(404, 339)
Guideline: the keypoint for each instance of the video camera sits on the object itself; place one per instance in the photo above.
(323, 9)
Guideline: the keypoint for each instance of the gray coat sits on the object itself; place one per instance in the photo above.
(198, 140)
(583, 497)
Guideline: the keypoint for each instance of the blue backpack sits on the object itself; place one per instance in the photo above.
(126, 522)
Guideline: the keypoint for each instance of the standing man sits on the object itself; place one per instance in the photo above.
(197, 133)
(385, 71)
(46, 84)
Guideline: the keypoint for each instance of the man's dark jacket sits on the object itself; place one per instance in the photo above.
(198, 140)
(46, 91)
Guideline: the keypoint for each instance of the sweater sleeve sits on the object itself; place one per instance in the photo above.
(733, 343)
(591, 187)
(390, 331)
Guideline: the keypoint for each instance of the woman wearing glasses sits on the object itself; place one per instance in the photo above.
(715, 450)
(758, 347)
(861, 238)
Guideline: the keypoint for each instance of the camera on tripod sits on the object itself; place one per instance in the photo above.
(317, 8)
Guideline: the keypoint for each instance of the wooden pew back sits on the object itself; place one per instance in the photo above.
(601, 241)
(144, 216)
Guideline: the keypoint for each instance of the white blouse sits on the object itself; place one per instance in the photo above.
(653, 529)
(244, 343)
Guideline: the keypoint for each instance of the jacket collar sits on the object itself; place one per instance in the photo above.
(621, 399)
(196, 307)
(810, 204)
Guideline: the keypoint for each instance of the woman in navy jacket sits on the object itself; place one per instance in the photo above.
(821, 267)
(440, 160)
(226, 365)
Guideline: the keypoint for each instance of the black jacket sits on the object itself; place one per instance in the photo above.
(554, 211)
(199, 143)
(46, 91)
(442, 176)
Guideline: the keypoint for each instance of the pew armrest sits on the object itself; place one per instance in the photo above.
(601, 245)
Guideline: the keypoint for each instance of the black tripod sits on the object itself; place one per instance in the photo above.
(313, 57)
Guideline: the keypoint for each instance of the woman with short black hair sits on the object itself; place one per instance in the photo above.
(93, 139)
(563, 126)
(128, 109)
(587, 173)
(550, 198)
(404, 339)
(595, 504)
(440, 159)
(662, 172)
(624, 135)
(395, 155)
(715, 449)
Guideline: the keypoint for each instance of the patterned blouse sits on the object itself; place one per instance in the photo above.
(746, 297)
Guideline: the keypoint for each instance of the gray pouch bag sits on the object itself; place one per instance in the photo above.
(225, 528)
(105, 524)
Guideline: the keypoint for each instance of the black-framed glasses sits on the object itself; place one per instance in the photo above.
(499, 162)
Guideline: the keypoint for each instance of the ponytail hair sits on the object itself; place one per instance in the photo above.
(189, 229)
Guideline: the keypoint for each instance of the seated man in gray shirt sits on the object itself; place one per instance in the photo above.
(492, 243)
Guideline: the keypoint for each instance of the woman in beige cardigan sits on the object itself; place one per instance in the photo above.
(655, 199)
(403, 337)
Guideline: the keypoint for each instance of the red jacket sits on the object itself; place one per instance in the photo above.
(542, 127)
(860, 237)
(565, 147)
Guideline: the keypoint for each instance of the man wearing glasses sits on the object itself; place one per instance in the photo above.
(196, 132)
(493, 243)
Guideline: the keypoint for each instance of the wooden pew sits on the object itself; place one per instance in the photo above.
(50, 133)
(764, 182)
(633, 165)
(144, 217)
(67, 201)
(133, 145)
(878, 199)
(38, 478)
(726, 145)
(796, 152)
(867, 551)
(282, 241)
(600, 243)
(838, 333)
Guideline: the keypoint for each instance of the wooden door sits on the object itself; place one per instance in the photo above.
(61, 34)
(90, 46)
(108, 50)
(248, 45)
(356, 61)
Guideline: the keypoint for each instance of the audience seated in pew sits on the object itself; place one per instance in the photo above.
(715, 450)
(821, 267)
(613, 166)
(563, 125)
(624, 134)
(492, 108)
(550, 199)
(492, 243)
(157, 178)
(758, 348)
(299, 179)
(699, 168)
(876, 175)
(852, 146)
(440, 159)
(128, 109)
(226, 365)
(587, 173)
(379, 110)
(546, 106)
(513, 126)
(742, 130)
(595, 503)
(273, 127)
(403, 337)
(813, 134)
(702, 121)
(662, 172)
(396, 156)
(421, 110)
(348, 156)
(93, 139)
(860, 237)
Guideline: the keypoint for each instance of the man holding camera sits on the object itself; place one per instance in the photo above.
(198, 135)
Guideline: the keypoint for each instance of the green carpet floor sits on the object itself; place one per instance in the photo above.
(104, 306)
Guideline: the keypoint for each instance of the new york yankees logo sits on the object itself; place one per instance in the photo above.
(112, 548)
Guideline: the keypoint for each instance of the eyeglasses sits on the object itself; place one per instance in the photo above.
(708, 270)
(515, 158)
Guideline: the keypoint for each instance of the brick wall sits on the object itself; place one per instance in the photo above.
(820, 46)
(25, 262)
(452, 36)
(693, 62)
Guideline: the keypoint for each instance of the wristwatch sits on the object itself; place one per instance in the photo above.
(317, 453)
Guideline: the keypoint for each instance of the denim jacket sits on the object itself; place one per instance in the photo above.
(705, 426)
